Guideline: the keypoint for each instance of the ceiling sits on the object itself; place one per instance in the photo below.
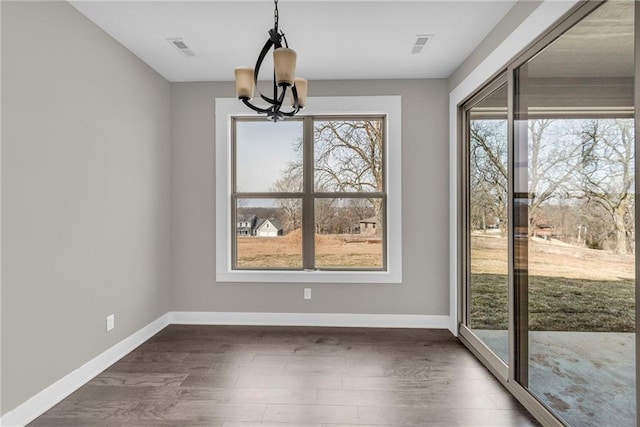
(334, 39)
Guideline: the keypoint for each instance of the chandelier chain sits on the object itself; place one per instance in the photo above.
(275, 14)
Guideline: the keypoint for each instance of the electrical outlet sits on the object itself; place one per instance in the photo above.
(111, 322)
(307, 293)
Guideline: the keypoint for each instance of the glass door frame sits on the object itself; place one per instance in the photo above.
(508, 373)
(492, 361)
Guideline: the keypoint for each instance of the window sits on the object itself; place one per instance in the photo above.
(309, 199)
(306, 185)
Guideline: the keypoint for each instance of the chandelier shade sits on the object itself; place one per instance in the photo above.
(301, 87)
(244, 82)
(284, 78)
(284, 63)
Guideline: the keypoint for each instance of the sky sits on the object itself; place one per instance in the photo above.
(264, 150)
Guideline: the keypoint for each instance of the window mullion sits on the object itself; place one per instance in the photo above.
(308, 210)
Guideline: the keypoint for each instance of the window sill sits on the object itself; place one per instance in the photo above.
(309, 276)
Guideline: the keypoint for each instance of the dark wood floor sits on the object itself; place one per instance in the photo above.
(238, 376)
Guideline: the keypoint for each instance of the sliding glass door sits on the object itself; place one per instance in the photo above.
(574, 183)
(488, 226)
(549, 221)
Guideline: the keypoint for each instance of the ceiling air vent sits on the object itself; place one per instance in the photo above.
(421, 41)
(181, 46)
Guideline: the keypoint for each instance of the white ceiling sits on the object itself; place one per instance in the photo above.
(334, 39)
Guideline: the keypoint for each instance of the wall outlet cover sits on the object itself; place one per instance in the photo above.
(111, 322)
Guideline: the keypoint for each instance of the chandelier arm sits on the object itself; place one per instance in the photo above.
(296, 102)
(256, 70)
(288, 113)
(254, 108)
(278, 104)
(282, 94)
(296, 105)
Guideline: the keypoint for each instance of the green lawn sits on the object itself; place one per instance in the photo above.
(557, 304)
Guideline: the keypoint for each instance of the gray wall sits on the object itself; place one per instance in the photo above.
(425, 287)
(518, 13)
(85, 194)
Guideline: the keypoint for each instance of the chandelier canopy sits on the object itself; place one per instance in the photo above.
(284, 79)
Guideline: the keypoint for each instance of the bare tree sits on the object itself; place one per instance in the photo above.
(488, 180)
(608, 173)
(289, 182)
(324, 213)
(554, 158)
(348, 156)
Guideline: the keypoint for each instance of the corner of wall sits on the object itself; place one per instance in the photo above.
(514, 18)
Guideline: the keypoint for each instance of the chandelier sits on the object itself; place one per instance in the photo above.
(284, 80)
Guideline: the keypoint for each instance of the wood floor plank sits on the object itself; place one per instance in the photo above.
(249, 424)
(455, 384)
(138, 380)
(66, 422)
(393, 358)
(160, 367)
(242, 376)
(311, 413)
(274, 396)
(151, 356)
(306, 382)
(413, 398)
(114, 393)
(425, 424)
(420, 417)
(338, 349)
(230, 357)
(116, 411)
(325, 359)
(193, 346)
(247, 368)
(210, 380)
(172, 394)
(294, 368)
(427, 372)
(198, 410)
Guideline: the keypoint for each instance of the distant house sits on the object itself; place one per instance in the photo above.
(368, 226)
(246, 225)
(545, 231)
(268, 228)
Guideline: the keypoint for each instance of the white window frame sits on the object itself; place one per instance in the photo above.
(388, 106)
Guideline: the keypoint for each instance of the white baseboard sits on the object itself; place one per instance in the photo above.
(310, 319)
(62, 388)
(53, 394)
(453, 326)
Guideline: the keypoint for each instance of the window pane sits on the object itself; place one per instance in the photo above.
(268, 156)
(488, 225)
(268, 233)
(348, 155)
(575, 213)
(349, 233)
